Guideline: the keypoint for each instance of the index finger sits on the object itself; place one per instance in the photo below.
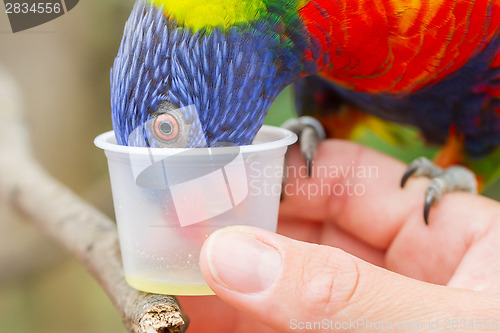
(358, 190)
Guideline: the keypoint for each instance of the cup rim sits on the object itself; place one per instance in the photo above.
(107, 142)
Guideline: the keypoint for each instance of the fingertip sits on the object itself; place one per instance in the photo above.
(313, 282)
(238, 259)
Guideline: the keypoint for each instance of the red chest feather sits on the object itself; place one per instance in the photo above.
(397, 46)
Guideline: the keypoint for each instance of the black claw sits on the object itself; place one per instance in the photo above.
(408, 173)
(309, 167)
(308, 157)
(430, 200)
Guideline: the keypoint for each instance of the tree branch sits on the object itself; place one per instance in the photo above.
(85, 232)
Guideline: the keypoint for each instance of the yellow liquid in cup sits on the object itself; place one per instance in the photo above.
(158, 287)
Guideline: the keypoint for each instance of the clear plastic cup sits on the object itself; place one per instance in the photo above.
(169, 200)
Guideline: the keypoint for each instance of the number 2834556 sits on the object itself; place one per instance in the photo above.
(35, 8)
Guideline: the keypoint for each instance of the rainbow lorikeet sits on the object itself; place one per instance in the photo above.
(433, 64)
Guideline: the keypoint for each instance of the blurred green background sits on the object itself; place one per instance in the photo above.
(62, 68)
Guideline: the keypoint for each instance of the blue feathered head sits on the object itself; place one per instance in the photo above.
(171, 87)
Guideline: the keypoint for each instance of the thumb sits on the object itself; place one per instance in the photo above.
(296, 286)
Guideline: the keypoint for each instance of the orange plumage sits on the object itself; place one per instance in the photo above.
(398, 46)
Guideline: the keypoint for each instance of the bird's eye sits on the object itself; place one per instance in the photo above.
(166, 127)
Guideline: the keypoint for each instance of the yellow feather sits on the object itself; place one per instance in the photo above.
(199, 14)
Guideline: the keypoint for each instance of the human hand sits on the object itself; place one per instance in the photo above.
(395, 270)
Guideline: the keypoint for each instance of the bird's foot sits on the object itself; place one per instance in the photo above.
(453, 178)
(310, 133)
